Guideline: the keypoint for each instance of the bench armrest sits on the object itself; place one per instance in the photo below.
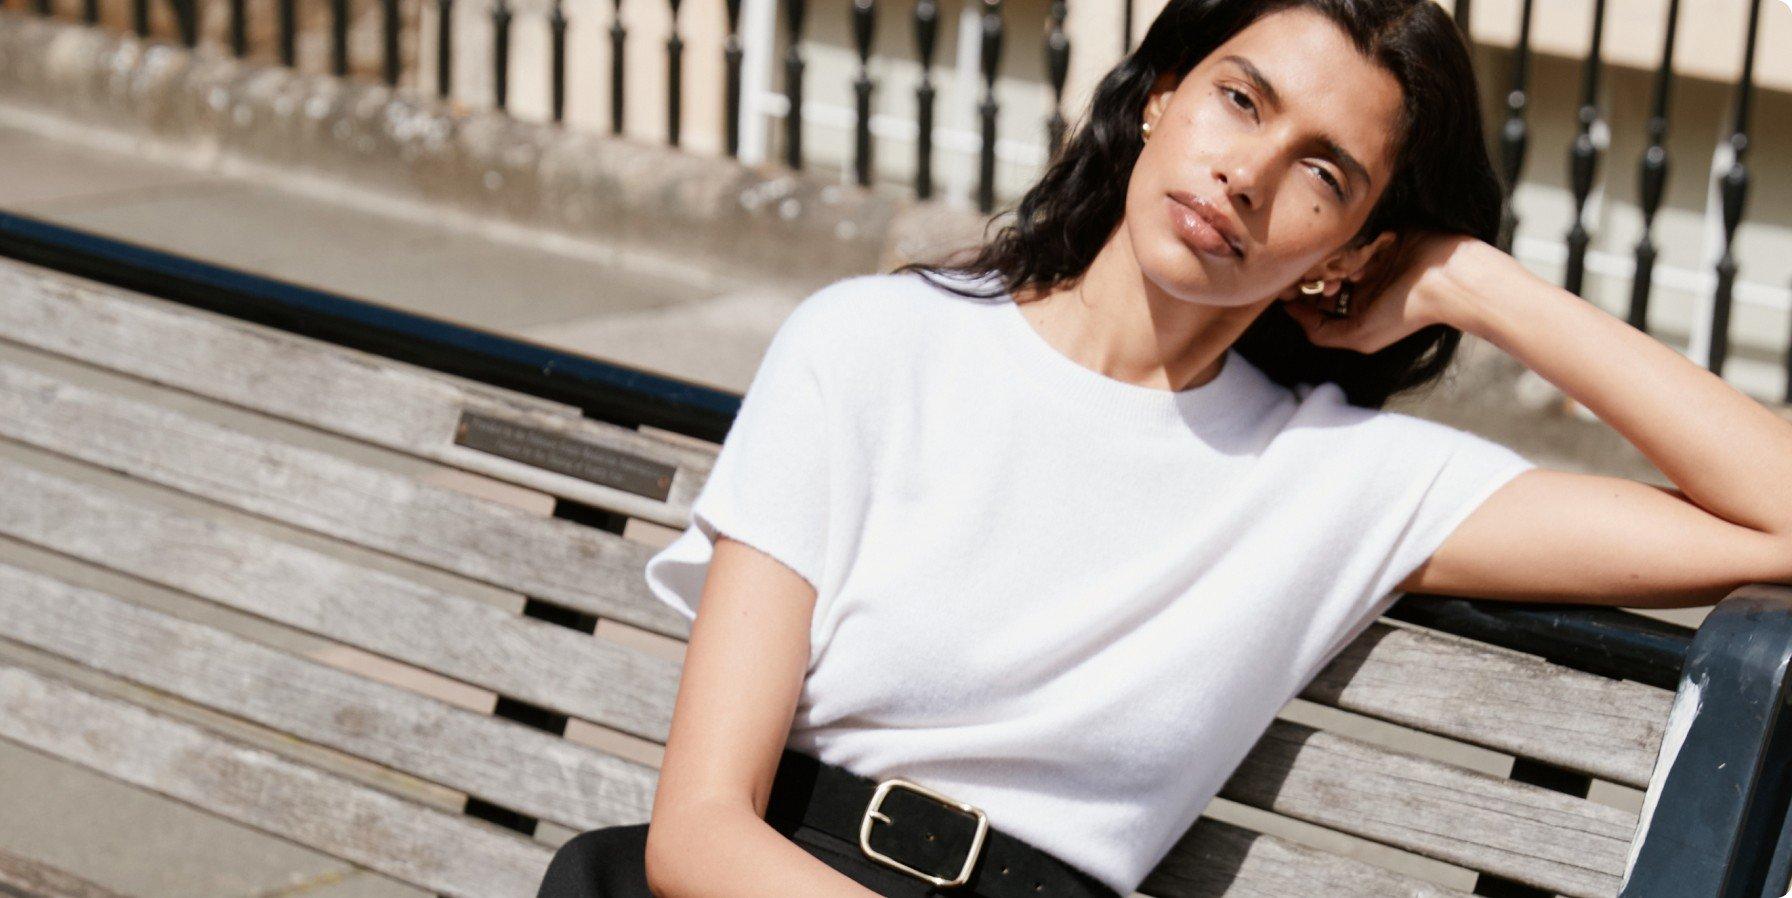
(1713, 823)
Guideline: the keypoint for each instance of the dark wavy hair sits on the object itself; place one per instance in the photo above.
(1442, 180)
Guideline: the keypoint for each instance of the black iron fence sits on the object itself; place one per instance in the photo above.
(994, 43)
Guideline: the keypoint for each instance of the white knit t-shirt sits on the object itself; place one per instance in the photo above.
(1071, 601)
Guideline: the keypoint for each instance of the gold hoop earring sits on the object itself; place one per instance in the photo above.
(1313, 288)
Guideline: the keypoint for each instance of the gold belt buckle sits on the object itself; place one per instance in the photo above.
(872, 812)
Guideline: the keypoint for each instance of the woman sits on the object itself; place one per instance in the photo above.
(1057, 531)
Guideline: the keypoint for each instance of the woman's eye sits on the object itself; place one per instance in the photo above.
(1331, 181)
(1243, 100)
(1247, 104)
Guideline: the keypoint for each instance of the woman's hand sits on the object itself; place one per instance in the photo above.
(1402, 290)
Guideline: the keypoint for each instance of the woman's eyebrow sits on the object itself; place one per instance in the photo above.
(1256, 78)
(1353, 167)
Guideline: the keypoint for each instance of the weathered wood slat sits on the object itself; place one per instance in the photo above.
(31, 879)
(1499, 699)
(574, 565)
(1218, 860)
(1565, 845)
(520, 768)
(452, 855)
(232, 728)
(542, 663)
(357, 394)
(116, 328)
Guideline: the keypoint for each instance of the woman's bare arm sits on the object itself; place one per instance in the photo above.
(1573, 537)
(743, 670)
(1565, 536)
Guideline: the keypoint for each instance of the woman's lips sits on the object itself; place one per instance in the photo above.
(1196, 232)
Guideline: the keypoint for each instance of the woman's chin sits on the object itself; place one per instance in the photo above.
(1180, 270)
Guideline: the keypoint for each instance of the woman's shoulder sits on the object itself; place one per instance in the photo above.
(1394, 434)
(888, 294)
(862, 315)
(855, 296)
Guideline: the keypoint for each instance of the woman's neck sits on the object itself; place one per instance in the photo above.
(1115, 321)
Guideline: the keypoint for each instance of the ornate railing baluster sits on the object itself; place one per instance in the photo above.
(1057, 69)
(731, 55)
(339, 37)
(674, 77)
(239, 27)
(618, 48)
(1514, 133)
(1652, 176)
(289, 29)
(927, 20)
(793, 84)
(186, 20)
(989, 26)
(501, 17)
(1126, 27)
(389, 27)
(1734, 190)
(1583, 156)
(557, 62)
(863, 20)
(444, 48)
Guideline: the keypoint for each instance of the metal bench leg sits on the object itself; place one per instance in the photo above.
(1716, 804)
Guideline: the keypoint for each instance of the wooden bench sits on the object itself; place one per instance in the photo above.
(397, 615)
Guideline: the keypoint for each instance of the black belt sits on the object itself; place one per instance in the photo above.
(920, 832)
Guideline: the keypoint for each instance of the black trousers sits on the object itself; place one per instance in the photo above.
(611, 863)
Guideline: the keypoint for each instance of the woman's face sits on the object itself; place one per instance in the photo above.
(1294, 162)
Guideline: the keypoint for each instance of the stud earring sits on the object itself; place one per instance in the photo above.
(1146, 130)
(1340, 308)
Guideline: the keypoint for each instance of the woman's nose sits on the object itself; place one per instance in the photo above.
(1239, 182)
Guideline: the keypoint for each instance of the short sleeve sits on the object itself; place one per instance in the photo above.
(768, 487)
(1473, 468)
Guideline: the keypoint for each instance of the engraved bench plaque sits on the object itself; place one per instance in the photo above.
(564, 454)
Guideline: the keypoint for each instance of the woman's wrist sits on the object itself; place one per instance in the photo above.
(1475, 279)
